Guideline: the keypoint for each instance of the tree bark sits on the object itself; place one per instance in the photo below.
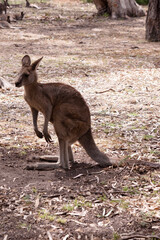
(119, 8)
(153, 21)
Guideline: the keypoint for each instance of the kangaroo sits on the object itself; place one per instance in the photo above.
(65, 108)
(3, 7)
(5, 24)
(4, 17)
(18, 16)
(27, 3)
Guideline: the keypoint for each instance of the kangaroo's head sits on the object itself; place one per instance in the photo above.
(28, 73)
(6, 3)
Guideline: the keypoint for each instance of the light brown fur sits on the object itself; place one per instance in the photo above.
(18, 16)
(65, 108)
(4, 17)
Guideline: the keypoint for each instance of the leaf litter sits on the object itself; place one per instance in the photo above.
(113, 66)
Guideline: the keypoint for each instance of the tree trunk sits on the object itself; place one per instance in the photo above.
(119, 8)
(153, 21)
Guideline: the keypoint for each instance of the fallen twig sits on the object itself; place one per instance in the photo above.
(60, 213)
(65, 237)
(5, 237)
(49, 235)
(42, 166)
(134, 236)
(37, 202)
(144, 163)
(47, 158)
(107, 90)
(80, 223)
(77, 176)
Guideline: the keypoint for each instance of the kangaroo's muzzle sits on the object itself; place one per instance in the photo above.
(18, 83)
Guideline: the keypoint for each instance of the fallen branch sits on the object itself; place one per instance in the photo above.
(134, 236)
(43, 166)
(47, 158)
(77, 176)
(144, 163)
(52, 163)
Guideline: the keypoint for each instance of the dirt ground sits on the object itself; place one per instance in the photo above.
(112, 65)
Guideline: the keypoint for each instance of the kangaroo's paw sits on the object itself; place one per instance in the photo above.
(39, 134)
(47, 137)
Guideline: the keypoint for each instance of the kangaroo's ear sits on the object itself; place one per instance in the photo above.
(26, 61)
(36, 64)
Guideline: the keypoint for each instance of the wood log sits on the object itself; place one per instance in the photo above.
(144, 163)
(43, 166)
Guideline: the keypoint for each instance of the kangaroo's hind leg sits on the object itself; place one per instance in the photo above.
(64, 153)
(70, 153)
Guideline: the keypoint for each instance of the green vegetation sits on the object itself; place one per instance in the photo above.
(27, 199)
(116, 236)
(122, 203)
(130, 189)
(87, 1)
(24, 225)
(22, 153)
(61, 220)
(102, 198)
(142, 2)
(68, 207)
(147, 137)
(105, 15)
(133, 114)
(34, 190)
(80, 202)
(43, 214)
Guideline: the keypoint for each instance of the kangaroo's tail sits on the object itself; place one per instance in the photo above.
(92, 150)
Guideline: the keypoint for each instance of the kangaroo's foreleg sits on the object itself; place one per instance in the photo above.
(47, 117)
(35, 117)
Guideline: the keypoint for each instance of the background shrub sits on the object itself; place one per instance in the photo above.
(142, 2)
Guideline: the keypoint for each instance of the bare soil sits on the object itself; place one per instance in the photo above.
(113, 67)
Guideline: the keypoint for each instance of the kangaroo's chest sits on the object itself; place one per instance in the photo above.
(34, 102)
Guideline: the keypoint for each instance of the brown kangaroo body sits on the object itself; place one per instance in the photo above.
(5, 24)
(3, 7)
(65, 108)
(18, 16)
(4, 17)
